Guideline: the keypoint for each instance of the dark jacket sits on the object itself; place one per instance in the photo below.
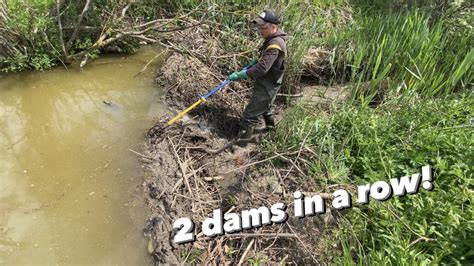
(270, 57)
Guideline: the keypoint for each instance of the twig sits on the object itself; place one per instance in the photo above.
(304, 245)
(292, 163)
(299, 153)
(274, 241)
(215, 152)
(322, 194)
(181, 167)
(262, 235)
(231, 55)
(195, 181)
(241, 261)
(290, 95)
(124, 10)
(153, 22)
(167, 21)
(182, 28)
(144, 38)
(396, 216)
(103, 41)
(84, 28)
(78, 24)
(60, 26)
(147, 64)
(52, 47)
(258, 162)
(282, 262)
(178, 183)
(420, 239)
(141, 155)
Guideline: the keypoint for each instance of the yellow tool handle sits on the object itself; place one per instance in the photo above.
(177, 117)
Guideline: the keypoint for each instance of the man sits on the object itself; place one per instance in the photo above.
(267, 74)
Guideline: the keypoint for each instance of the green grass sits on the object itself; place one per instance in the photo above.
(358, 144)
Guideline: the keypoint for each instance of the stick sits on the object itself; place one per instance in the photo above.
(232, 55)
(282, 262)
(195, 179)
(215, 152)
(124, 10)
(293, 164)
(141, 155)
(147, 64)
(322, 194)
(299, 153)
(420, 239)
(241, 261)
(262, 235)
(178, 183)
(78, 24)
(183, 171)
(302, 243)
(258, 162)
(290, 95)
(60, 25)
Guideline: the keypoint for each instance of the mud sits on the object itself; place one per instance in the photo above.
(185, 181)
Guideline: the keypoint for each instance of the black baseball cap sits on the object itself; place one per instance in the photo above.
(266, 16)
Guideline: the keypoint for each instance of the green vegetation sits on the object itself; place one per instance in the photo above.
(26, 25)
(31, 36)
(407, 51)
(192, 256)
(357, 145)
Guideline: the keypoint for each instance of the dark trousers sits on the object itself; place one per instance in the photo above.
(261, 103)
(263, 96)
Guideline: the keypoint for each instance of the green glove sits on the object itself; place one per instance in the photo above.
(253, 62)
(238, 75)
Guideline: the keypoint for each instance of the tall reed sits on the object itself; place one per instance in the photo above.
(403, 52)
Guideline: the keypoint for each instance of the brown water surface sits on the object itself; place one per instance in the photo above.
(69, 186)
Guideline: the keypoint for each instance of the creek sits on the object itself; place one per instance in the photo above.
(70, 188)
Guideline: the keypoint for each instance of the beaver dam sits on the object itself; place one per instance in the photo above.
(193, 171)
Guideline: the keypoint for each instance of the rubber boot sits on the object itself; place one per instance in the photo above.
(245, 135)
(246, 132)
(269, 121)
(269, 124)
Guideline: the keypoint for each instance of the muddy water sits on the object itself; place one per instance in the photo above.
(69, 186)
